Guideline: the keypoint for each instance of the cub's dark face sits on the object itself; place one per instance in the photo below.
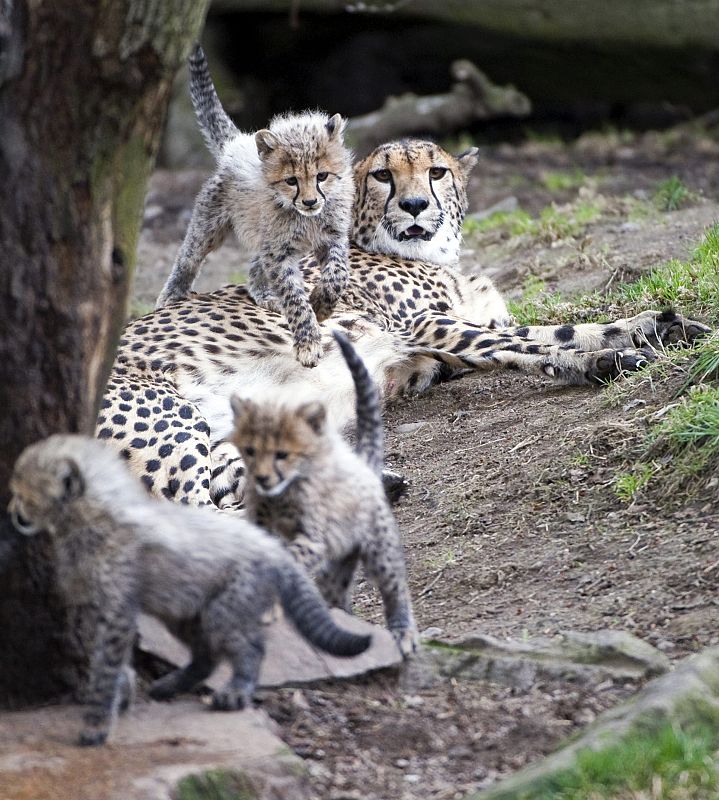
(411, 199)
(277, 444)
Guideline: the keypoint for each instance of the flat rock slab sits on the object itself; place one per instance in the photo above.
(573, 655)
(289, 659)
(153, 747)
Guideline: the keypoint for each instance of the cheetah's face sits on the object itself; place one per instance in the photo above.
(42, 484)
(277, 444)
(411, 199)
(305, 167)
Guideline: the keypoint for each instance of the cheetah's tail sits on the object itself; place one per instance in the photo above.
(304, 605)
(370, 431)
(215, 125)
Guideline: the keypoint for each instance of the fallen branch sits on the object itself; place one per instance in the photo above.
(472, 97)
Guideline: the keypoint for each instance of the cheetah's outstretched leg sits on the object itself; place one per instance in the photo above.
(463, 345)
(207, 230)
(282, 268)
(104, 694)
(334, 276)
(649, 328)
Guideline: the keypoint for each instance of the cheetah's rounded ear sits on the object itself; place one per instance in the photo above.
(240, 406)
(314, 414)
(71, 480)
(266, 142)
(468, 160)
(336, 126)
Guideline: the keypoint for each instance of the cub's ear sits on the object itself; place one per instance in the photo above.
(468, 160)
(71, 480)
(336, 126)
(314, 414)
(266, 142)
(241, 406)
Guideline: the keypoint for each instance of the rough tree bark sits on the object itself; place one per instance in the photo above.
(84, 86)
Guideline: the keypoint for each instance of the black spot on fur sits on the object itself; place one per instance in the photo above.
(565, 333)
(188, 462)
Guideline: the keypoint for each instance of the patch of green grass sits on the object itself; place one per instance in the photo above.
(563, 181)
(673, 763)
(691, 286)
(535, 302)
(216, 784)
(237, 277)
(627, 484)
(672, 194)
(515, 222)
(138, 309)
(552, 224)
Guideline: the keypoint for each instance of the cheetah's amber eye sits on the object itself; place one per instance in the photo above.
(249, 451)
(382, 175)
(281, 455)
(435, 173)
(322, 176)
(291, 181)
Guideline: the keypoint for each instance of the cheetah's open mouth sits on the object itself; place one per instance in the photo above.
(415, 232)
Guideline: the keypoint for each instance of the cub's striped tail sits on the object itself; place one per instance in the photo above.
(304, 605)
(370, 431)
(215, 125)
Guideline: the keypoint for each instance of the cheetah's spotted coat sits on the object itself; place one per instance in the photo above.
(412, 316)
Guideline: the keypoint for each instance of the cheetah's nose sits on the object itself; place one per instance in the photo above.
(413, 205)
(263, 480)
(309, 203)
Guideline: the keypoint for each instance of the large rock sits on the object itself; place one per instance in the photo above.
(155, 747)
(289, 659)
(588, 658)
(687, 695)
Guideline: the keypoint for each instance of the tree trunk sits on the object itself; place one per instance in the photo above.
(84, 86)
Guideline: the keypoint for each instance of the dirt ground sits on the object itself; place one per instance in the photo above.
(509, 529)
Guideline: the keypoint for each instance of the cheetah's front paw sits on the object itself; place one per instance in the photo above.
(166, 297)
(407, 641)
(608, 364)
(309, 350)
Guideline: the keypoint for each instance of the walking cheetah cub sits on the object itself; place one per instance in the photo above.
(284, 191)
(207, 576)
(306, 484)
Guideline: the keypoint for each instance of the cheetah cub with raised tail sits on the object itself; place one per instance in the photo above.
(326, 499)
(285, 191)
(207, 576)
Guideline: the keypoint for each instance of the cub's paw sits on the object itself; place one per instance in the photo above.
(608, 364)
(167, 297)
(92, 737)
(323, 302)
(407, 641)
(229, 699)
(309, 351)
(164, 688)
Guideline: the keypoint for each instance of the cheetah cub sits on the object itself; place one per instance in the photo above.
(306, 484)
(207, 576)
(285, 191)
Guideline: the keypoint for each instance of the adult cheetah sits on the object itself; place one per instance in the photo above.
(413, 317)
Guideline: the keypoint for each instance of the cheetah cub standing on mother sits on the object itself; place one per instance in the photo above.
(207, 576)
(285, 191)
(306, 484)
